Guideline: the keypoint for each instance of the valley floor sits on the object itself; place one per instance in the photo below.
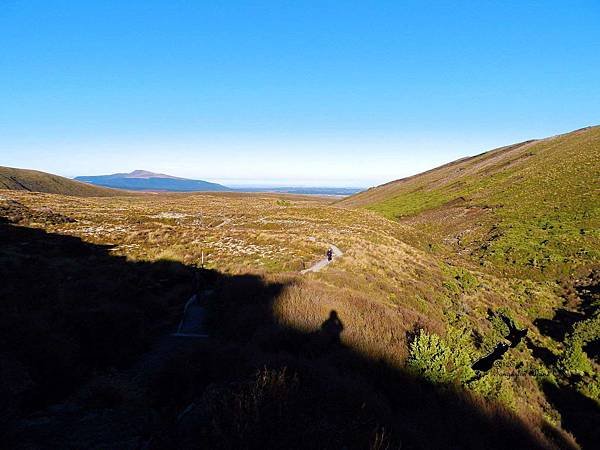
(381, 348)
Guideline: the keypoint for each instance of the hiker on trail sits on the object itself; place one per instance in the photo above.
(329, 254)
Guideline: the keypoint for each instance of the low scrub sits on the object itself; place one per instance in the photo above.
(440, 360)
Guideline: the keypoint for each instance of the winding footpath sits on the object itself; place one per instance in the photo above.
(89, 426)
(194, 317)
(324, 262)
(193, 324)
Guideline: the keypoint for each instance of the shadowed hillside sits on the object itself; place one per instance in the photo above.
(389, 344)
(35, 181)
(258, 383)
(69, 308)
(530, 205)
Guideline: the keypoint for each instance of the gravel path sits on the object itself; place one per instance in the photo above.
(194, 317)
(324, 262)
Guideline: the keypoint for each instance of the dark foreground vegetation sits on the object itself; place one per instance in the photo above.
(84, 366)
(470, 320)
(69, 309)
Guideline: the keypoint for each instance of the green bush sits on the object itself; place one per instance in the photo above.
(590, 388)
(588, 330)
(499, 325)
(503, 321)
(496, 388)
(461, 280)
(441, 360)
(574, 360)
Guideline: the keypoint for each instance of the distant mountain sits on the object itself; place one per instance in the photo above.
(35, 181)
(143, 180)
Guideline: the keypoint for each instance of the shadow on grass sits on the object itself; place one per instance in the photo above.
(580, 415)
(542, 353)
(274, 386)
(71, 309)
(561, 324)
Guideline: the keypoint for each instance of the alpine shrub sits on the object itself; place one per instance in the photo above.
(433, 358)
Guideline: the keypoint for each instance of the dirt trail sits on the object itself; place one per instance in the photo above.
(222, 224)
(194, 313)
(324, 262)
(110, 428)
(194, 317)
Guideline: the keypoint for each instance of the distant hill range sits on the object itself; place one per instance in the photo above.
(143, 180)
(36, 181)
(321, 191)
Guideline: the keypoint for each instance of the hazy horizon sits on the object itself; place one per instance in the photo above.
(274, 182)
(286, 93)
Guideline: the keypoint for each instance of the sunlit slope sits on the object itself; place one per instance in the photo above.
(35, 181)
(530, 204)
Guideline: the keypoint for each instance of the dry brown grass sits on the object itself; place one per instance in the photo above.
(387, 283)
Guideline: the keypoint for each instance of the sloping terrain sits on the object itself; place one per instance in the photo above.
(529, 205)
(36, 181)
(469, 320)
(345, 353)
(142, 180)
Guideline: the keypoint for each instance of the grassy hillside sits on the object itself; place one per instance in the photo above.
(414, 329)
(530, 205)
(463, 304)
(35, 181)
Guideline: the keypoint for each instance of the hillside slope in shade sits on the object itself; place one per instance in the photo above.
(533, 204)
(36, 181)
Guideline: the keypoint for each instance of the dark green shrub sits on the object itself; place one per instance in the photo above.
(574, 360)
(461, 280)
(503, 321)
(439, 361)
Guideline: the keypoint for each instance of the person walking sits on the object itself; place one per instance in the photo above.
(329, 254)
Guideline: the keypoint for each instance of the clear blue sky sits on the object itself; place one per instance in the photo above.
(288, 92)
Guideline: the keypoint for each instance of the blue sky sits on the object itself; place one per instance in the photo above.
(288, 92)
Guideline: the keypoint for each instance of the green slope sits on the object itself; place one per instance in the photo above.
(33, 180)
(533, 204)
